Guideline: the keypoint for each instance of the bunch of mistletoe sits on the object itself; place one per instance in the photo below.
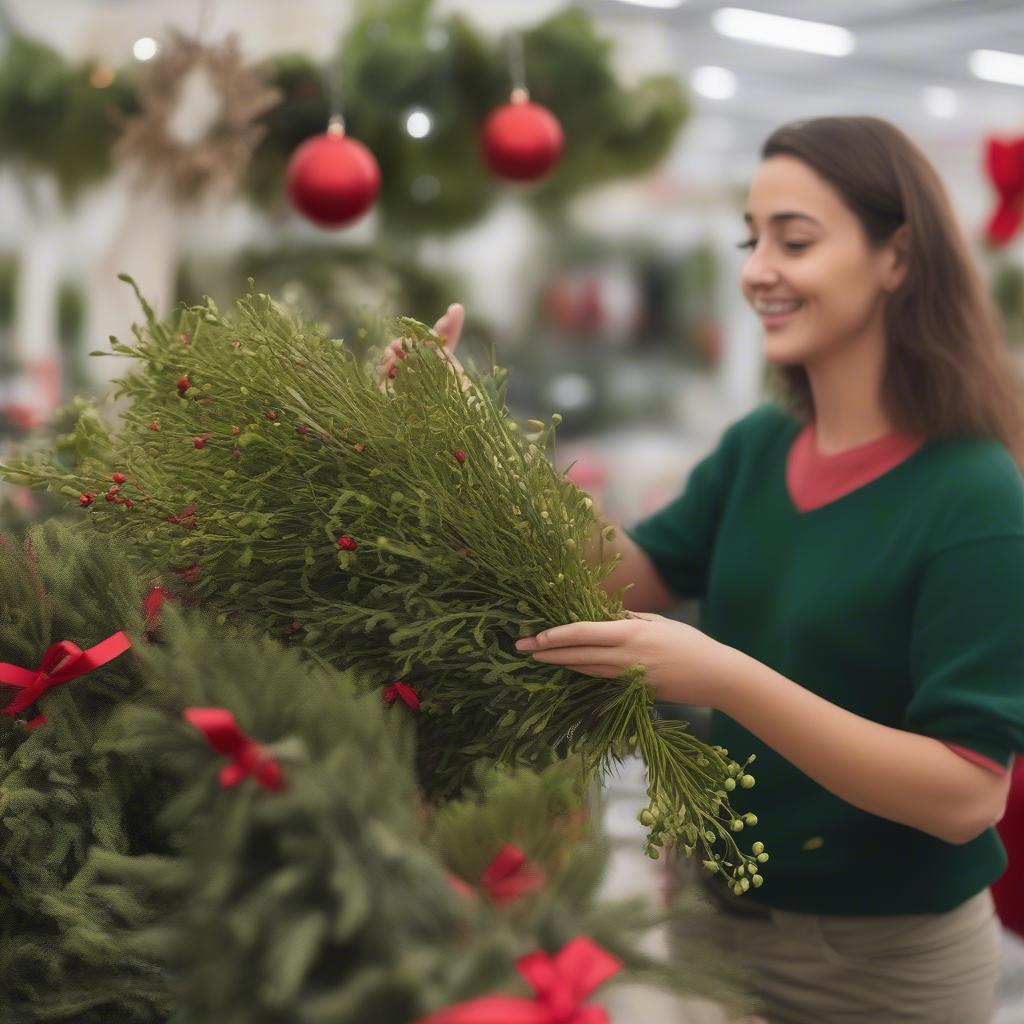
(411, 530)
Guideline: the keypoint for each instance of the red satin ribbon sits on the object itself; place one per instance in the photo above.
(248, 758)
(561, 983)
(399, 690)
(1004, 161)
(511, 875)
(62, 662)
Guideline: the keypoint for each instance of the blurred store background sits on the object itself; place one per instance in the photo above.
(153, 137)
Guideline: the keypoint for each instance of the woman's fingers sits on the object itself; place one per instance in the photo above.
(573, 656)
(449, 327)
(579, 634)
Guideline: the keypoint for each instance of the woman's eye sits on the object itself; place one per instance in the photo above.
(750, 243)
(796, 246)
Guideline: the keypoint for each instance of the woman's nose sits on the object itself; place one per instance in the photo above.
(759, 270)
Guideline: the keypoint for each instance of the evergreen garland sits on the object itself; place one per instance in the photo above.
(408, 530)
(64, 795)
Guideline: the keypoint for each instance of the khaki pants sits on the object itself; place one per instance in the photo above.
(920, 968)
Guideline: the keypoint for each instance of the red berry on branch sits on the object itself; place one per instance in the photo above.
(183, 384)
(190, 574)
(200, 442)
(392, 372)
(184, 338)
(235, 431)
(155, 426)
(346, 543)
(271, 415)
(128, 503)
(303, 430)
(460, 456)
(359, 447)
(86, 499)
(110, 496)
(236, 454)
(118, 478)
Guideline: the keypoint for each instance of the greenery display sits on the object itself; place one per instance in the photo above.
(151, 870)
(409, 530)
(53, 118)
(398, 56)
(65, 795)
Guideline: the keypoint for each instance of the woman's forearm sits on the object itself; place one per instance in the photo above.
(905, 777)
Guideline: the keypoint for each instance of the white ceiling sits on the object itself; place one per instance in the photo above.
(902, 46)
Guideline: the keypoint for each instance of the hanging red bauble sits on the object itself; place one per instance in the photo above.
(522, 141)
(332, 179)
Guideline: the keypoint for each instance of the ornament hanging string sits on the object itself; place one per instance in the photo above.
(517, 67)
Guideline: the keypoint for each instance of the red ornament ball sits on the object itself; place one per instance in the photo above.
(522, 141)
(346, 543)
(332, 179)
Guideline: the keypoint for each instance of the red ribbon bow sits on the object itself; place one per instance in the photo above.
(1004, 161)
(222, 733)
(561, 983)
(62, 662)
(511, 875)
(403, 691)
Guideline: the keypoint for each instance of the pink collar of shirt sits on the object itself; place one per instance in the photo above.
(814, 479)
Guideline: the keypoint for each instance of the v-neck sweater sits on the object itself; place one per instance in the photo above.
(900, 598)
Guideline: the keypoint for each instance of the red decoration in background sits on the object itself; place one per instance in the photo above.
(1008, 889)
(522, 140)
(248, 758)
(333, 180)
(404, 692)
(61, 662)
(511, 875)
(561, 983)
(346, 543)
(1004, 161)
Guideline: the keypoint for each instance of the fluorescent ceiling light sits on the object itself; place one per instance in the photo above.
(998, 66)
(661, 4)
(941, 102)
(714, 83)
(788, 33)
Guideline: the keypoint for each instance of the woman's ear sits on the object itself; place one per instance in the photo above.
(898, 249)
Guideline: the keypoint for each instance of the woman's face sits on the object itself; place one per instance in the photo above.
(811, 276)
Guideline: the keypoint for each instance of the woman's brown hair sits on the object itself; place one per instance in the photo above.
(948, 371)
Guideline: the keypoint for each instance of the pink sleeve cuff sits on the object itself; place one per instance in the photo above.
(980, 759)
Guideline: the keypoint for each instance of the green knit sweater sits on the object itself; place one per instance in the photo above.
(902, 602)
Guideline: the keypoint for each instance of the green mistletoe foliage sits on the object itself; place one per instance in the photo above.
(410, 530)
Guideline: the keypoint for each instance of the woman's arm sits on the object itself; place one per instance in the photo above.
(903, 776)
(647, 592)
(899, 775)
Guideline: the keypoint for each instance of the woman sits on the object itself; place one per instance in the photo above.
(860, 562)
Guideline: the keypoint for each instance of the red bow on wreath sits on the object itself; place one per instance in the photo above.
(561, 983)
(248, 757)
(62, 662)
(1004, 161)
(511, 875)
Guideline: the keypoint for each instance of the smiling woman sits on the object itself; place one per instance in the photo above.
(859, 557)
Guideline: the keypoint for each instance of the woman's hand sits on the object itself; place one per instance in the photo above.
(448, 329)
(683, 664)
